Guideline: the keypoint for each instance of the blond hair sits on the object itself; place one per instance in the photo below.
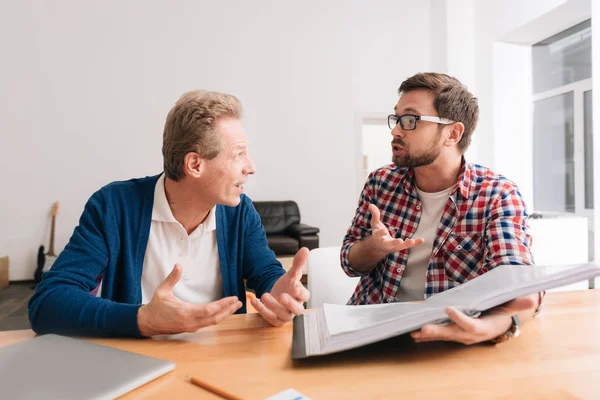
(190, 127)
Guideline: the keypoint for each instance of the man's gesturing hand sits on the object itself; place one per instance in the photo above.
(288, 294)
(166, 314)
(381, 240)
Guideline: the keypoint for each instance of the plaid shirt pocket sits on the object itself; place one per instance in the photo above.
(464, 257)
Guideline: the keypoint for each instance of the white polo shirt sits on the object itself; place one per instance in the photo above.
(169, 243)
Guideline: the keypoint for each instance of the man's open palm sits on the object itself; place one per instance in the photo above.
(383, 240)
(167, 314)
(287, 295)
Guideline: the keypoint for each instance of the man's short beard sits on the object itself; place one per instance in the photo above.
(406, 161)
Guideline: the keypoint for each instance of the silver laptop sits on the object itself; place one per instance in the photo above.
(59, 367)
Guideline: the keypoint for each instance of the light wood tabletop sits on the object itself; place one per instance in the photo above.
(556, 356)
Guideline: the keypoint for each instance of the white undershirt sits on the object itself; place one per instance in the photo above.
(197, 254)
(412, 285)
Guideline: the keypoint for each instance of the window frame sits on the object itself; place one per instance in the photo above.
(578, 88)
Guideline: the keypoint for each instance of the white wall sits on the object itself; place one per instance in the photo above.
(494, 20)
(86, 87)
(439, 33)
(504, 32)
(596, 117)
(462, 58)
(511, 152)
(376, 146)
(470, 41)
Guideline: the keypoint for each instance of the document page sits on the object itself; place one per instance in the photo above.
(343, 319)
(507, 282)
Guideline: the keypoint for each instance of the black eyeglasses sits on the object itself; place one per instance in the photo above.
(408, 122)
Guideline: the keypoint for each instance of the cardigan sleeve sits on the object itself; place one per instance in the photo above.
(261, 268)
(62, 302)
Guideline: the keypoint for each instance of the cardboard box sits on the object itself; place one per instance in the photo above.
(4, 272)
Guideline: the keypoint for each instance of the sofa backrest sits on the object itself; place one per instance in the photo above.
(277, 215)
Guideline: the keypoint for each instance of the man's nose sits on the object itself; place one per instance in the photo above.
(397, 132)
(250, 167)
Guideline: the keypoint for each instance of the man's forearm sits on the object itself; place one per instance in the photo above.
(72, 311)
(362, 257)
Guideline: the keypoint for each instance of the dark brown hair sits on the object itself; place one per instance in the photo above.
(452, 100)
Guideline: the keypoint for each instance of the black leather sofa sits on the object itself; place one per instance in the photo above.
(285, 233)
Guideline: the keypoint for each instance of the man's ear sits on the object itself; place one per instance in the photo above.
(455, 133)
(193, 164)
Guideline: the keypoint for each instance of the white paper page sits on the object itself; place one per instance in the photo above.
(289, 394)
(342, 318)
(384, 331)
(511, 281)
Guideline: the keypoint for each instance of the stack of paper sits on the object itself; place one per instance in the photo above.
(334, 328)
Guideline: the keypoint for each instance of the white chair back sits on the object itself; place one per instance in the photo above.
(327, 282)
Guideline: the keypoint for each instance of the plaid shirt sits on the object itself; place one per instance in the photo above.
(483, 225)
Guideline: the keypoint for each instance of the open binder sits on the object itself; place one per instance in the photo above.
(334, 328)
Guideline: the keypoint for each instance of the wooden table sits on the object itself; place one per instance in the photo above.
(557, 356)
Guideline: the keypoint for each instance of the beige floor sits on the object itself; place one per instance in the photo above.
(286, 262)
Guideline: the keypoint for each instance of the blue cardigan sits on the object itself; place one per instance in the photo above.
(111, 241)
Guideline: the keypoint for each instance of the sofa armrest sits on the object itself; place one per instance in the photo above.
(309, 241)
(297, 230)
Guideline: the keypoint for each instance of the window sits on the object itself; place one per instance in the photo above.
(589, 149)
(563, 58)
(553, 154)
(562, 122)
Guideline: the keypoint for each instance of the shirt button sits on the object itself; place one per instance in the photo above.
(398, 270)
(459, 247)
(418, 207)
(389, 300)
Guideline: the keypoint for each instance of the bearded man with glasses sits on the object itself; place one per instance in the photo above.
(431, 221)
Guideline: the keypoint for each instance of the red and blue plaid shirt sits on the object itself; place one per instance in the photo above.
(483, 225)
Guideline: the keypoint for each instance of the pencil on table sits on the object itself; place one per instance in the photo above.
(213, 389)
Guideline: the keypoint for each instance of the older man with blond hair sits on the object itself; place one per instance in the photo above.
(174, 251)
